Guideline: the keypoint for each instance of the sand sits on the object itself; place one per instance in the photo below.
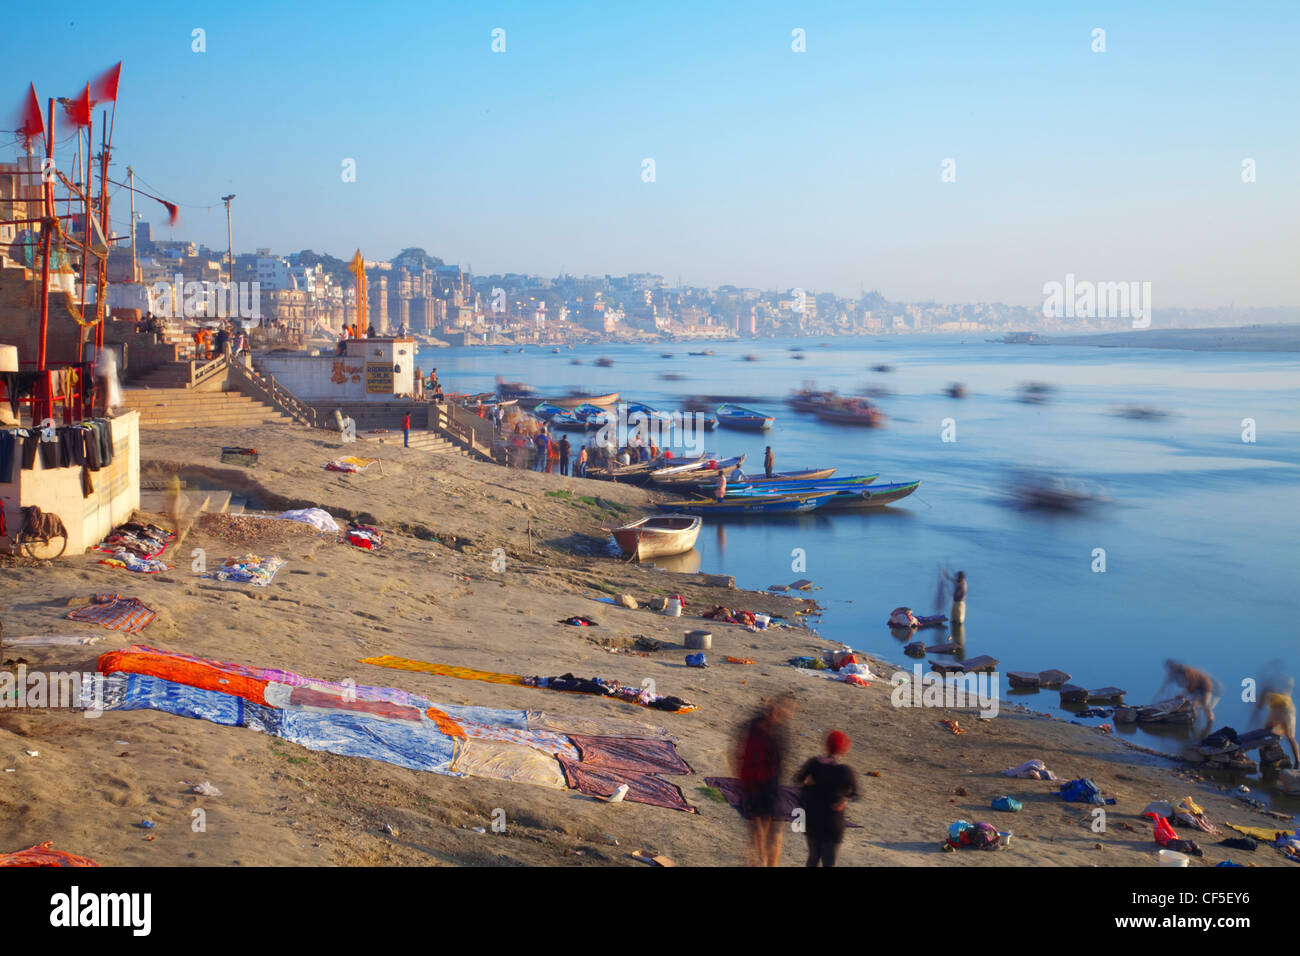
(432, 594)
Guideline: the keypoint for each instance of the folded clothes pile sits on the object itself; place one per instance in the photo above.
(250, 569)
(143, 540)
(123, 558)
(365, 536)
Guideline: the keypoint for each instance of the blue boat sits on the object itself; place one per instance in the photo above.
(738, 416)
(756, 505)
(873, 496)
(847, 484)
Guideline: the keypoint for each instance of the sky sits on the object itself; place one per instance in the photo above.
(822, 169)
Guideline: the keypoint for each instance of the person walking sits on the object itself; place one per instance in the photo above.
(826, 786)
(406, 430)
(759, 755)
(564, 449)
(769, 462)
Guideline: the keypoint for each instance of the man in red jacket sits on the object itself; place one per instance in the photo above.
(406, 430)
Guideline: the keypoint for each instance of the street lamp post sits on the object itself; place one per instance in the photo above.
(230, 246)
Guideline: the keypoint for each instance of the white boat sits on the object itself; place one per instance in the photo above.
(658, 536)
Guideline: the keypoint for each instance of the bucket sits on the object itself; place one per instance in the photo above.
(1004, 839)
(1172, 858)
(674, 607)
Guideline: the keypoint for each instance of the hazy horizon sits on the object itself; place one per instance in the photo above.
(773, 168)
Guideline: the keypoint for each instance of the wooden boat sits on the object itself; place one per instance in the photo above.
(705, 352)
(574, 399)
(658, 536)
(808, 474)
(845, 485)
(955, 390)
(604, 362)
(758, 505)
(874, 496)
(692, 474)
(738, 416)
(851, 412)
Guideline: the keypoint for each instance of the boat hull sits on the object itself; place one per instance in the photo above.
(658, 537)
(876, 496)
(758, 505)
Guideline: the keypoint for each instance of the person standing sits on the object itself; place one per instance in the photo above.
(564, 448)
(826, 786)
(769, 461)
(582, 462)
(543, 445)
(759, 755)
(406, 430)
(720, 489)
(959, 599)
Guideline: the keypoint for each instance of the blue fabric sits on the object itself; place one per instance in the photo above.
(1007, 804)
(514, 719)
(144, 692)
(1082, 790)
(417, 746)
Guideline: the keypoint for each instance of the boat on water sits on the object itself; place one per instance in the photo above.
(758, 505)
(809, 399)
(604, 361)
(555, 351)
(515, 390)
(658, 536)
(955, 390)
(807, 475)
(738, 416)
(665, 355)
(575, 361)
(574, 399)
(705, 352)
(851, 411)
(872, 496)
(695, 472)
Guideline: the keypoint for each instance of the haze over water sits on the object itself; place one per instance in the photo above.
(1199, 533)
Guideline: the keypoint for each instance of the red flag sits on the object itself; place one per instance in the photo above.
(104, 88)
(30, 124)
(78, 110)
(173, 212)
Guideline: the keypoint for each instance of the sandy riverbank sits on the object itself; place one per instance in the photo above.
(432, 594)
(1249, 338)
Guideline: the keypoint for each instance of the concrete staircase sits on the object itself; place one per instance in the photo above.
(194, 501)
(171, 407)
(421, 440)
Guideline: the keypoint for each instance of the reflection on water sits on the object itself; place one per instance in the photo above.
(686, 563)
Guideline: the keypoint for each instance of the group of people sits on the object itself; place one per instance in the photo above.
(224, 341)
(825, 787)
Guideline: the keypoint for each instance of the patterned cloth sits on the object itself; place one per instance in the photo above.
(115, 613)
(250, 569)
(42, 855)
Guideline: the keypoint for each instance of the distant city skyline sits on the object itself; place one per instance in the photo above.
(773, 169)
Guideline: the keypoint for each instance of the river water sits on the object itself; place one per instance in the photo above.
(1198, 526)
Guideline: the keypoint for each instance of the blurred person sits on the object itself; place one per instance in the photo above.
(1197, 686)
(1277, 701)
(564, 448)
(769, 462)
(826, 786)
(759, 758)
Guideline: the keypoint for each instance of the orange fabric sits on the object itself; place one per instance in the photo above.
(445, 723)
(193, 673)
(42, 855)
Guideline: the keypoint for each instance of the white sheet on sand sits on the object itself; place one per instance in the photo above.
(49, 640)
(1030, 770)
(829, 674)
(318, 518)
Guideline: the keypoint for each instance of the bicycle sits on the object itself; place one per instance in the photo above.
(41, 536)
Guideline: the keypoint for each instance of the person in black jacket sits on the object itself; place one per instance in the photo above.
(826, 786)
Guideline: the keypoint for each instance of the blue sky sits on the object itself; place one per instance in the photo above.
(773, 168)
